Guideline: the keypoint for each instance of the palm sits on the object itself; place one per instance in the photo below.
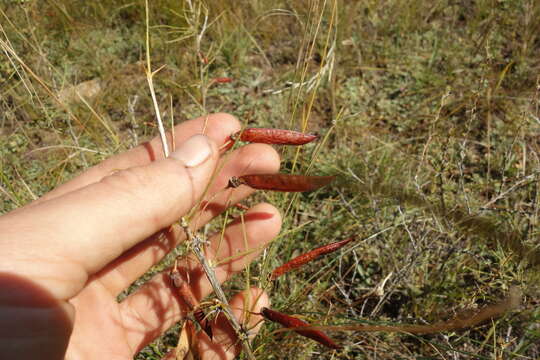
(100, 330)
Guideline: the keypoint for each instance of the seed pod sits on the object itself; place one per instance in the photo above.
(292, 322)
(183, 290)
(282, 182)
(309, 256)
(274, 136)
(189, 299)
(222, 80)
(241, 207)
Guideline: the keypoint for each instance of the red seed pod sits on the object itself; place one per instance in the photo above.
(227, 145)
(292, 322)
(222, 80)
(274, 136)
(241, 207)
(309, 256)
(282, 182)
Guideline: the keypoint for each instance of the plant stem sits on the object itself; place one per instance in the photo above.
(150, 79)
(196, 246)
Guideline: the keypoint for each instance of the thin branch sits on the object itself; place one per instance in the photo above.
(523, 181)
(459, 322)
(149, 77)
(196, 246)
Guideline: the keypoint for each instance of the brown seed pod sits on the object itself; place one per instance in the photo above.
(189, 299)
(274, 136)
(309, 256)
(282, 182)
(292, 322)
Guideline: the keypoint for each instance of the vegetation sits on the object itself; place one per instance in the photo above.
(428, 111)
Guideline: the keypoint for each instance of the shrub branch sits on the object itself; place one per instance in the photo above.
(196, 243)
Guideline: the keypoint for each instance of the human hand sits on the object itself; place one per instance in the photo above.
(66, 256)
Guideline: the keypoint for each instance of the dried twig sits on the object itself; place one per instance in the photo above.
(149, 76)
(457, 323)
(196, 246)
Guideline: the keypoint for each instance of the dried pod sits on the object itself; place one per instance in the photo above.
(274, 136)
(282, 182)
(292, 322)
(189, 299)
(222, 80)
(309, 256)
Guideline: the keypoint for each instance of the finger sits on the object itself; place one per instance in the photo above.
(217, 127)
(250, 159)
(150, 311)
(80, 232)
(224, 343)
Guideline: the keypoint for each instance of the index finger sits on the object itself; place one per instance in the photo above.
(217, 127)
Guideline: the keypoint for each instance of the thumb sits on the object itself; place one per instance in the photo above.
(92, 226)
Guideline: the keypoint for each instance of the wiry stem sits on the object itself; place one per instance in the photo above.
(196, 247)
(150, 79)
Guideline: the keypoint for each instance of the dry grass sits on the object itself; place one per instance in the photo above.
(430, 115)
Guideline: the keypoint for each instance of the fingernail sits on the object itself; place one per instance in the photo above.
(194, 151)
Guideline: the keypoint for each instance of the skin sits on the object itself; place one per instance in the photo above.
(66, 256)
